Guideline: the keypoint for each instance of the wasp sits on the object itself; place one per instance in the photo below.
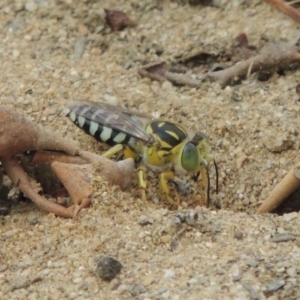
(156, 144)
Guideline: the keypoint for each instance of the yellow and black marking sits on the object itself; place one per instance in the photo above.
(156, 144)
(170, 134)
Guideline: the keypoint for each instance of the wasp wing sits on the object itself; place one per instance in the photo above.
(114, 117)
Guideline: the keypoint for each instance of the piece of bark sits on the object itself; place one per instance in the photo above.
(75, 180)
(20, 179)
(117, 173)
(48, 157)
(19, 135)
(155, 71)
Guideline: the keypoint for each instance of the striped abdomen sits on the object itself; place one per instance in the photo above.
(83, 117)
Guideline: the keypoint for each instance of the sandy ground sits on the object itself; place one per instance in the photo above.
(55, 51)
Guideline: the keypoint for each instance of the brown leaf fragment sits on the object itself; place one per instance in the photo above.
(240, 49)
(117, 20)
(25, 135)
(241, 160)
(156, 71)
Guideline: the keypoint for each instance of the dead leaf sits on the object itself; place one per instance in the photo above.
(117, 20)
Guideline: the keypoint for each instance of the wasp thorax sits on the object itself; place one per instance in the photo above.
(189, 157)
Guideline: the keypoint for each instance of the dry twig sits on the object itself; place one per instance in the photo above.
(282, 190)
(286, 8)
(272, 56)
(162, 71)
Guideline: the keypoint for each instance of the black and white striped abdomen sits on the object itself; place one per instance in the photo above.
(83, 118)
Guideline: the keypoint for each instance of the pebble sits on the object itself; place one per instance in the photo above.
(292, 272)
(148, 280)
(191, 218)
(19, 283)
(136, 289)
(108, 268)
(176, 220)
(169, 273)
(167, 85)
(10, 233)
(79, 47)
(235, 271)
(34, 221)
(144, 220)
(283, 237)
(128, 65)
(192, 281)
(3, 268)
(289, 217)
(31, 6)
(252, 262)
(162, 290)
(253, 294)
(110, 99)
(15, 53)
(277, 143)
(274, 285)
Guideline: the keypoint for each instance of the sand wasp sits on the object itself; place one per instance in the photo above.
(153, 143)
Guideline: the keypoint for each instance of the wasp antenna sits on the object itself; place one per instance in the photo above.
(217, 176)
(198, 137)
(207, 187)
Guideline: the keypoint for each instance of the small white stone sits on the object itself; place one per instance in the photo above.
(31, 6)
(192, 281)
(16, 53)
(167, 86)
(169, 273)
(292, 272)
(112, 100)
(290, 216)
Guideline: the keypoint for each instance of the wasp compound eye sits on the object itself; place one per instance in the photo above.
(189, 157)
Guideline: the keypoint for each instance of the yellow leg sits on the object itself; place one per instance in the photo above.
(113, 150)
(142, 181)
(128, 153)
(205, 184)
(164, 177)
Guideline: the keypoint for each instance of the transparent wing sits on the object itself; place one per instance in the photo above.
(113, 117)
